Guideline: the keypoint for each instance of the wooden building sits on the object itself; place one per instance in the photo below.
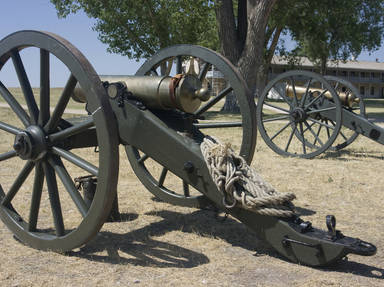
(368, 77)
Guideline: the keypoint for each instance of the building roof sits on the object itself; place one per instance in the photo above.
(348, 65)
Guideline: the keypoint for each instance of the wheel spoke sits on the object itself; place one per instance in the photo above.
(54, 199)
(76, 160)
(317, 139)
(279, 132)
(25, 86)
(290, 138)
(328, 134)
(304, 97)
(44, 88)
(285, 98)
(15, 106)
(294, 91)
(204, 71)
(7, 155)
(143, 158)
(75, 129)
(318, 133)
(321, 123)
(18, 182)
(213, 101)
(336, 86)
(162, 177)
(186, 189)
(36, 197)
(69, 185)
(9, 128)
(153, 72)
(276, 107)
(61, 104)
(344, 137)
(321, 110)
(315, 99)
(179, 65)
(218, 125)
(276, 118)
(303, 138)
(311, 125)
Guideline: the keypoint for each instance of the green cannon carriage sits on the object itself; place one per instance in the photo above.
(162, 114)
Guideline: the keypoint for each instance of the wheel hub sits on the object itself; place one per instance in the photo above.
(298, 115)
(30, 144)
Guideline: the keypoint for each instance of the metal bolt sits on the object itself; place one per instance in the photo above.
(189, 167)
(17, 147)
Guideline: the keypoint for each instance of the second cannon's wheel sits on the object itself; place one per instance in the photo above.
(238, 128)
(47, 140)
(294, 111)
(341, 86)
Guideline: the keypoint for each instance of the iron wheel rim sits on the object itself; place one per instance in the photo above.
(102, 117)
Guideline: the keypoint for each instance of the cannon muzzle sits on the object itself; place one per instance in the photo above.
(182, 92)
(347, 99)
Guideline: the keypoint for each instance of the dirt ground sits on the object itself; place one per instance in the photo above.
(158, 244)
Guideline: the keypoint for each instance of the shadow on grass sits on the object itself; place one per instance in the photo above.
(346, 155)
(301, 211)
(138, 248)
(356, 268)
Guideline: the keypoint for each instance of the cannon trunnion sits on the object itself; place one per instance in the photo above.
(165, 102)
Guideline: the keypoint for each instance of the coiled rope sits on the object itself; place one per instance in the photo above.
(241, 185)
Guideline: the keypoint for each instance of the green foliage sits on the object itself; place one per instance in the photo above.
(138, 29)
(335, 29)
(323, 29)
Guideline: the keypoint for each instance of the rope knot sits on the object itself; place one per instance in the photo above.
(239, 184)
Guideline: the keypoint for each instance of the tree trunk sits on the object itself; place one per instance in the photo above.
(323, 66)
(227, 29)
(251, 62)
(244, 44)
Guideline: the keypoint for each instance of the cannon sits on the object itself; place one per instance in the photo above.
(161, 115)
(303, 114)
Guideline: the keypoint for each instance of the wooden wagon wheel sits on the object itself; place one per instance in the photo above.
(46, 210)
(346, 136)
(293, 123)
(221, 77)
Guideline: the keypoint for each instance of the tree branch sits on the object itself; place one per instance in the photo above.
(272, 47)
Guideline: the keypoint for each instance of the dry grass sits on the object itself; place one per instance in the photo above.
(159, 244)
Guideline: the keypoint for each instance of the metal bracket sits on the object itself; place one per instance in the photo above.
(286, 241)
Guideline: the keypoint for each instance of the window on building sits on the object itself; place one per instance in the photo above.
(372, 91)
(362, 74)
(344, 73)
(353, 74)
(362, 90)
(373, 75)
